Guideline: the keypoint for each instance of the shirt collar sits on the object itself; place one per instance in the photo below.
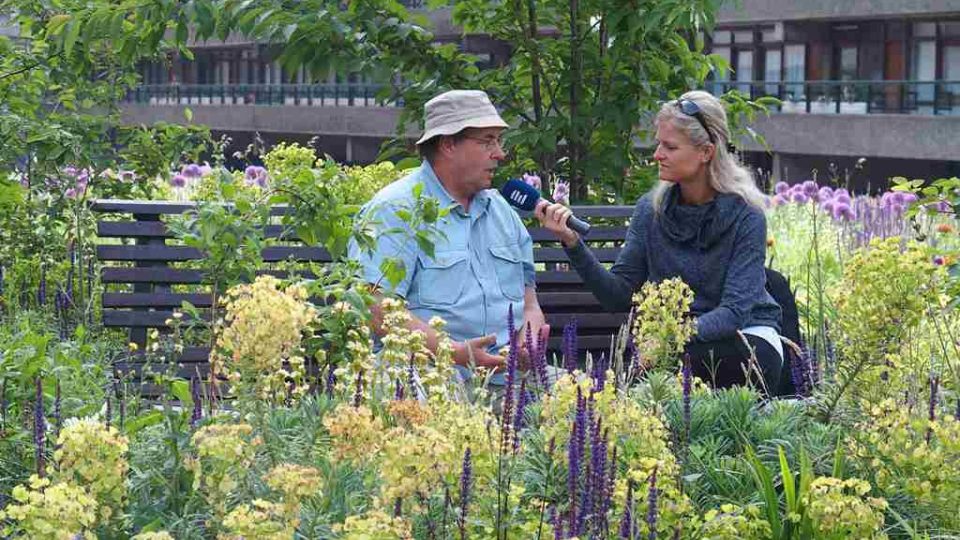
(434, 188)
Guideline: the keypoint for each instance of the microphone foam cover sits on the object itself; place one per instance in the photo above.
(520, 194)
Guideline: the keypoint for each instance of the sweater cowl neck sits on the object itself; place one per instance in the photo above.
(699, 224)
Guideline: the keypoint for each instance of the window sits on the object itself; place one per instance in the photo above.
(722, 37)
(744, 36)
(723, 52)
(774, 34)
(771, 69)
(925, 29)
(744, 69)
(848, 63)
(795, 62)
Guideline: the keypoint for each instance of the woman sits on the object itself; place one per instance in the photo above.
(705, 223)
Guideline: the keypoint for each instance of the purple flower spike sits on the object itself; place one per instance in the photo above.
(796, 373)
(932, 408)
(626, 523)
(687, 390)
(575, 454)
(570, 346)
(466, 482)
(652, 513)
(358, 390)
(39, 430)
(523, 399)
(57, 412)
(331, 381)
(398, 392)
(197, 414)
(511, 376)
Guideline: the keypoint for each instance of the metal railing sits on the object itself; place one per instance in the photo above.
(853, 97)
(308, 95)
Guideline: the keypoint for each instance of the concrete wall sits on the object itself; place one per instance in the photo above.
(378, 122)
(876, 135)
(754, 11)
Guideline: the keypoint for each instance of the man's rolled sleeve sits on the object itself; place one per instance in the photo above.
(392, 245)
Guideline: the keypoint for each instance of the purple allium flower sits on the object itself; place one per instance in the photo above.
(197, 414)
(532, 180)
(191, 171)
(626, 523)
(843, 211)
(205, 169)
(39, 430)
(561, 192)
(800, 197)
(828, 206)
(781, 188)
(825, 193)
(466, 481)
(841, 195)
(780, 200)
(570, 345)
(178, 181)
(652, 513)
(255, 175)
(810, 188)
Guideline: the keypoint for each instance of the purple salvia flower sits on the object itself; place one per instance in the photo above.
(598, 480)
(466, 482)
(57, 412)
(575, 452)
(556, 522)
(109, 414)
(652, 513)
(358, 390)
(599, 373)
(518, 421)
(626, 523)
(331, 381)
(3, 405)
(687, 391)
(121, 403)
(511, 376)
(611, 483)
(579, 525)
(932, 409)
(39, 430)
(42, 289)
(398, 507)
(540, 362)
(796, 373)
(570, 346)
(398, 391)
(197, 414)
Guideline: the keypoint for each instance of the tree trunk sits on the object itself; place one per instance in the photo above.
(578, 188)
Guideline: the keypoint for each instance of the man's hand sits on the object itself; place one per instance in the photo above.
(554, 218)
(473, 353)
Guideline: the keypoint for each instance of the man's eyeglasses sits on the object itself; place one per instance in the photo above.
(690, 108)
(489, 144)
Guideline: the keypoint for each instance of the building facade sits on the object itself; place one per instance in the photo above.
(873, 79)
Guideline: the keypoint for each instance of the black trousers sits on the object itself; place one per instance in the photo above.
(725, 363)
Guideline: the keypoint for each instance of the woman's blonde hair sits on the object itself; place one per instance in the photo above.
(725, 173)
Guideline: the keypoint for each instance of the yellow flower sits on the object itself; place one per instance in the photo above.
(54, 511)
(93, 455)
(294, 482)
(661, 326)
(838, 509)
(158, 535)
(356, 434)
(263, 520)
(374, 525)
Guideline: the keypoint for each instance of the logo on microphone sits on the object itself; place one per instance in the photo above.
(519, 197)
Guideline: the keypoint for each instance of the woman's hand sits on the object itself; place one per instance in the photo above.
(554, 218)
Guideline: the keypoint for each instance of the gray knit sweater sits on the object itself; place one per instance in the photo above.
(718, 248)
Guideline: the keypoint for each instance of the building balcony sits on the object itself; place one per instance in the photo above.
(853, 97)
(757, 11)
(305, 95)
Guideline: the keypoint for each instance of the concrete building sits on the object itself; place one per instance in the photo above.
(874, 79)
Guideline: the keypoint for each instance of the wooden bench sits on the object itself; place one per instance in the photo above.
(140, 272)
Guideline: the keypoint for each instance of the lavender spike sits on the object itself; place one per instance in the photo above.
(522, 400)
(197, 414)
(652, 513)
(358, 391)
(570, 346)
(626, 523)
(42, 289)
(39, 430)
(932, 409)
(331, 381)
(511, 378)
(575, 453)
(398, 391)
(557, 523)
(466, 482)
(57, 412)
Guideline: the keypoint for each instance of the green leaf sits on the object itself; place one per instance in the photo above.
(188, 114)
(56, 23)
(181, 390)
(764, 481)
(73, 32)
(134, 425)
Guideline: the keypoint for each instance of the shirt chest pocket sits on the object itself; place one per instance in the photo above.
(441, 279)
(508, 264)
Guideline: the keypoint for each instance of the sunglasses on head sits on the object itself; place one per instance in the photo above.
(690, 108)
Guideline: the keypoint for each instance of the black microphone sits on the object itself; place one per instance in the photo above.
(526, 197)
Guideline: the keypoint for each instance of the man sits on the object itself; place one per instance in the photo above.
(483, 261)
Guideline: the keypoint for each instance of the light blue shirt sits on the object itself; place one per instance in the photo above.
(481, 265)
